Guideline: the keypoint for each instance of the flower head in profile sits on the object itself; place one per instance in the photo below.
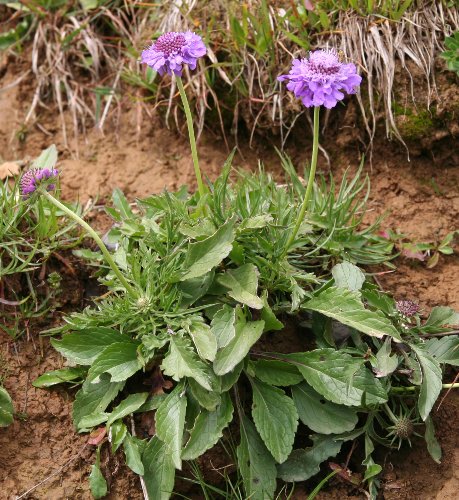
(172, 50)
(35, 177)
(407, 307)
(321, 79)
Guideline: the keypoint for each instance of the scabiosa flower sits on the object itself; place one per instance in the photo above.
(407, 307)
(320, 79)
(32, 178)
(172, 50)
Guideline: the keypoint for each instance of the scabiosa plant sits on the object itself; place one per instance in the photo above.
(36, 177)
(318, 80)
(168, 54)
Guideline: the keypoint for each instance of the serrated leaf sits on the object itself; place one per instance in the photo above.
(6, 408)
(229, 379)
(208, 429)
(275, 372)
(433, 445)
(47, 158)
(60, 376)
(346, 307)
(320, 415)
(275, 417)
(431, 381)
(242, 285)
(181, 361)
(93, 398)
(441, 317)
(204, 340)
(445, 349)
(347, 275)
(170, 423)
(132, 453)
(83, 346)
(232, 354)
(339, 377)
(305, 463)
(256, 465)
(129, 405)
(223, 325)
(159, 470)
(119, 360)
(207, 399)
(204, 255)
(97, 482)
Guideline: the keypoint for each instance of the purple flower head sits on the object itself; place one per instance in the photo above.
(407, 307)
(320, 79)
(172, 50)
(34, 177)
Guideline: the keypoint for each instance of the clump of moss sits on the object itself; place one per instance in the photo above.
(415, 124)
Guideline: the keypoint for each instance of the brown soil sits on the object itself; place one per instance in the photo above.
(143, 157)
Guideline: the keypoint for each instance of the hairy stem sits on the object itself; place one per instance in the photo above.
(96, 238)
(312, 174)
(194, 150)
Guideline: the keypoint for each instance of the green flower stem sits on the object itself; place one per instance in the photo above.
(413, 388)
(95, 236)
(312, 174)
(194, 150)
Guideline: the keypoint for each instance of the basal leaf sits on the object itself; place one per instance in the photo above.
(83, 346)
(231, 355)
(346, 307)
(159, 470)
(6, 408)
(320, 415)
(119, 360)
(208, 429)
(386, 362)
(242, 285)
(433, 446)
(305, 463)
(204, 255)
(129, 405)
(267, 315)
(431, 380)
(204, 339)
(97, 482)
(347, 275)
(181, 361)
(207, 399)
(132, 453)
(170, 422)
(60, 376)
(275, 417)
(339, 377)
(223, 325)
(275, 372)
(257, 466)
(445, 349)
(94, 398)
(119, 431)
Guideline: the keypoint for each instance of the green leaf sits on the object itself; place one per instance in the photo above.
(89, 4)
(181, 361)
(93, 420)
(119, 431)
(121, 204)
(204, 255)
(94, 398)
(433, 446)
(119, 360)
(132, 452)
(170, 422)
(431, 381)
(194, 289)
(322, 416)
(47, 158)
(229, 379)
(275, 372)
(204, 339)
(339, 377)
(305, 463)
(129, 405)
(159, 468)
(346, 307)
(207, 399)
(267, 315)
(54, 377)
(83, 346)
(223, 325)
(445, 349)
(208, 429)
(6, 408)
(246, 335)
(275, 417)
(97, 481)
(385, 363)
(256, 465)
(441, 317)
(347, 275)
(242, 284)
